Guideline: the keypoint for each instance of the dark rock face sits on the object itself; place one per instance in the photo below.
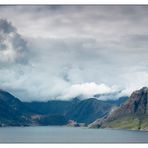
(136, 104)
(138, 101)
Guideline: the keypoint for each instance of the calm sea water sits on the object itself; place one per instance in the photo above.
(53, 134)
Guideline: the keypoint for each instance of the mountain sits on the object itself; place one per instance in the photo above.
(49, 107)
(133, 114)
(86, 111)
(14, 112)
(118, 101)
(81, 111)
(52, 112)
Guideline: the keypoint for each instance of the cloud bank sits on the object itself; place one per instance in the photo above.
(86, 90)
(61, 52)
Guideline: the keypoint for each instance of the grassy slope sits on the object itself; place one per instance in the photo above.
(129, 122)
(144, 123)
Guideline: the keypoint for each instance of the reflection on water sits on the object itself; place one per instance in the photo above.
(53, 134)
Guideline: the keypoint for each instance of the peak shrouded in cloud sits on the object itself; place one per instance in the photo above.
(60, 52)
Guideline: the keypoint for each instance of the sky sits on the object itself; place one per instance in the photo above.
(61, 52)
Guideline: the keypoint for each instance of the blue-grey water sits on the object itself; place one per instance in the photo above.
(55, 134)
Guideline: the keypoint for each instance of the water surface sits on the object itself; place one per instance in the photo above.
(55, 134)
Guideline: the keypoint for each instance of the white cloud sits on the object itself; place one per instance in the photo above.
(85, 90)
(134, 81)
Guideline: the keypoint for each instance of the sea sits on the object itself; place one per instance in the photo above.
(64, 134)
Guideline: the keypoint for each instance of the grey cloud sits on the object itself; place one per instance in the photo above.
(6, 27)
(74, 47)
(12, 46)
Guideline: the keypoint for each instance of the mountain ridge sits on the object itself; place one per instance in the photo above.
(51, 112)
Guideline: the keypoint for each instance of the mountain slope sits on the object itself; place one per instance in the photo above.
(133, 114)
(49, 107)
(89, 110)
(12, 110)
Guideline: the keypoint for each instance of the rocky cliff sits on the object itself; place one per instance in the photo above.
(133, 114)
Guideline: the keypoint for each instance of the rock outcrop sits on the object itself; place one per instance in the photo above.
(133, 114)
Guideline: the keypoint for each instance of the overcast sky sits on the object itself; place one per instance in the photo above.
(60, 52)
